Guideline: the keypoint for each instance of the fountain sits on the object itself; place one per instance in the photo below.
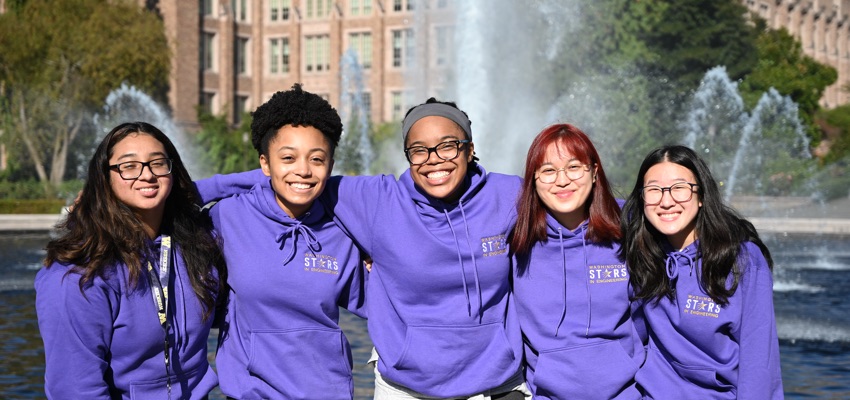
(754, 153)
(762, 154)
(127, 104)
(355, 154)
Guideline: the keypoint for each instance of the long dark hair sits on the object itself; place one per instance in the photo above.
(101, 231)
(719, 229)
(601, 207)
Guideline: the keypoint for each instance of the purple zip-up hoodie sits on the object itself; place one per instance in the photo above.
(109, 343)
(572, 298)
(288, 277)
(439, 287)
(700, 350)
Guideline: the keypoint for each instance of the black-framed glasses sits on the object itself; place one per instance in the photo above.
(680, 193)
(130, 170)
(549, 174)
(446, 151)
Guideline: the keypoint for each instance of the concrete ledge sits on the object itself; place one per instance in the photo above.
(802, 225)
(824, 226)
(28, 222)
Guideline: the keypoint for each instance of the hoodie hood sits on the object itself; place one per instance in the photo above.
(266, 203)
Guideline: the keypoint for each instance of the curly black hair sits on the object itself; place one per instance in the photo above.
(294, 107)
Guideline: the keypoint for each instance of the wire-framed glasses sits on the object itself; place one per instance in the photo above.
(446, 151)
(680, 193)
(549, 174)
(130, 170)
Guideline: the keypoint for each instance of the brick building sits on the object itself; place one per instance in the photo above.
(231, 55)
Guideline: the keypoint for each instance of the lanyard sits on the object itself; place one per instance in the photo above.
(160, 291)
(160, 294)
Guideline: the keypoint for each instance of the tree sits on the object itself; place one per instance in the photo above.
(227, 150)
(58, 62)
(783, 66)
(696, 35)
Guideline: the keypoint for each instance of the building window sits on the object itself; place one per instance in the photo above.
(400, 5)
(240, 107)
(240, 10)
(360, 7)
(279, 55)
(208, 51)
(207, 7)
(317, 53)
(318, 8)
(396, 101)
(208, 102)
(243, 51)
(279, 10)
(361, 42)
(402, 47)
(443, 46)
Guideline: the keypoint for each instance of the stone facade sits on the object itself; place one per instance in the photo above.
(822, 27)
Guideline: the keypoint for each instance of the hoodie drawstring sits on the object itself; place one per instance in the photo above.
(587, 287)
(462, 269)
(474, 265)
(678, 259)
(460, 262)
(564, 266)
(293, 231)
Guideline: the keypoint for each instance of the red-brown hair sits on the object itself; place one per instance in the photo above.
(601, 206)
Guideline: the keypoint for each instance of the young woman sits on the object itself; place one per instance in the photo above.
(570, 286)
(705, 279)
(290, 267)
(126, 300)
(439, 315)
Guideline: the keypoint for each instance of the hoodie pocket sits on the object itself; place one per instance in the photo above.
(705, 377)
(158, 388)
(597, 370)
(302, 364)
(443, 355)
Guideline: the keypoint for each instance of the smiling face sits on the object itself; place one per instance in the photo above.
(441, 179)
(565, 198)
(676, 220)
(145, 195)
(299, 163)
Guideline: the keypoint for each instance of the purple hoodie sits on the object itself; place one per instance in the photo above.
(109, 343)
(288, 277)
(439, 308)
(438, 291)
(572, 298)
(700, 350)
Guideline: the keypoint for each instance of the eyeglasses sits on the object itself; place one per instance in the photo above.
(446, 151)
(573, 172)
(133, 169)
(680, 193)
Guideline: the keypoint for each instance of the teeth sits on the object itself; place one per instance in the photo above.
(300, 185)
(438, 174)
(147, 189)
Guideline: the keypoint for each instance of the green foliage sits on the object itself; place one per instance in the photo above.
(38, 206)
(32, 190)
(225, 149)
(837, 120)
(59, 60)
(694, 36)
(783, 66)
